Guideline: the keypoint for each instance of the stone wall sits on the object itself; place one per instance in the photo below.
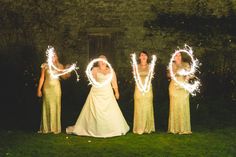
(122, 20)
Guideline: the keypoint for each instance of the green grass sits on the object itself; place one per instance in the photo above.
(205, 142)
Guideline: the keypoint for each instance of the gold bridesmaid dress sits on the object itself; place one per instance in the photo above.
(179, 111)
(143, 108)
(51, 108)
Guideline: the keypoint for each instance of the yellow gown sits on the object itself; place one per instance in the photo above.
(51, 108)
(179, 111)
(143, 108)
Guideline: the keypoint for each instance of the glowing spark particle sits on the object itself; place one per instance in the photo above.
(192, 88)
(143, 87)
(56, 72)
(91, 78)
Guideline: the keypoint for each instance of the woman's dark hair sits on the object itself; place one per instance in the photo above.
(144, 52)
(185, 58)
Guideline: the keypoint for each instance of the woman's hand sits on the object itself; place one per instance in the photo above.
(66, 76)
(67, 66)
(39, 93)
(117, 95)
(187, 78)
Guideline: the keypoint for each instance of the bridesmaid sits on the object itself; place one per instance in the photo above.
(50, 89)
(143, 102)
(179, 112)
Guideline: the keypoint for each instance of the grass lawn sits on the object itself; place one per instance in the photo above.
(219, 142)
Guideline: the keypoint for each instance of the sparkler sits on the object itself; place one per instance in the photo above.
(54, 71)
(92, 80)
(191, 88)
(144, 88)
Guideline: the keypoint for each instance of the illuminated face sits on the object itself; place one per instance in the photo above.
(102, 64)
(143, 57)
(178, 58)
(55, 58)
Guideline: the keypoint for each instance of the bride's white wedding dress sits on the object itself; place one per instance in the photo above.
(101, 115)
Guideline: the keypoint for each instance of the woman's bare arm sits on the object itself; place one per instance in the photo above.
(65, 76)
(115, 85)
(41, 81)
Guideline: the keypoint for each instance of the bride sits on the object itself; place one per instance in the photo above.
(101, 115)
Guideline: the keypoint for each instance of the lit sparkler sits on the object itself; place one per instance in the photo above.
(143, 87)
(91, 78)
(192, 88)
(56, 72)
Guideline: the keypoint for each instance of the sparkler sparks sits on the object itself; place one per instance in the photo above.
(144, 88)
(56, 72)
(192, 88)
(91, 78)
